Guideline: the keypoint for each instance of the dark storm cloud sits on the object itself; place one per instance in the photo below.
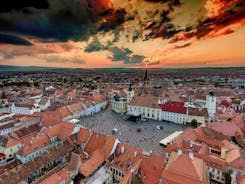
(114, 19)
(94, 46)
(172, 2)
(11, 39)
(20, 4)
(164, 28)
(165, 31)
(125, 55)
(54, 19)
(229, 14)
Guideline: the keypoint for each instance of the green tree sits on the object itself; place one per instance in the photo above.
(3, 95)
(36, 84)
(194, 123)
(229, 119)
(227, 175)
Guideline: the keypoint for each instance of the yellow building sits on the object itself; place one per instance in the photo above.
(8, 147)
(119, 104)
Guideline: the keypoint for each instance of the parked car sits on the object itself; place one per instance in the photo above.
(159, 127)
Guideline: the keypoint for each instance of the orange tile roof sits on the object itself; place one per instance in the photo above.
(75, 107)
(34, 144)
(64, 111)
(227, 128)
(128, 175)
(83, 135)
(96, 140)
(152, 168)
(98, 157)
(145, 101)
(66, 130)
(98, 98)
(129, 156)
(6, 141)
(57, 178)
(237, 159)
(182, 170)
(90, 165)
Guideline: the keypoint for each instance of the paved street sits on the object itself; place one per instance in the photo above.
(148, 139)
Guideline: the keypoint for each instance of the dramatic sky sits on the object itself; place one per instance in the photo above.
(122, 33)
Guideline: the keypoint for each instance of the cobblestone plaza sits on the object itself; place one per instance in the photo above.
(142, 134)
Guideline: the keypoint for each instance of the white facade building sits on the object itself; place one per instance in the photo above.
(211, 106)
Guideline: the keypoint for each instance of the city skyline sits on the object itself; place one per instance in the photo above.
(132, 34)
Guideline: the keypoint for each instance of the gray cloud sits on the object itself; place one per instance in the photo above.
(78, 61)
(13, 39)
(125, 55)
(57, 59)
(94, 46)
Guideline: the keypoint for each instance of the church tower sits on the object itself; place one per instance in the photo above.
(130, 93)
(211, 105)
(146, 79)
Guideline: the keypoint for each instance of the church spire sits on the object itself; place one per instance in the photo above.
(130, 86)
(146, 75)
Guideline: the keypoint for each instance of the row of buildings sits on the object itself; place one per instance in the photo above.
(68, 153)
(150, 106)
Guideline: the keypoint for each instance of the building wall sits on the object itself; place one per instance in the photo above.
(24, 110)
(211, 106)
(7, 130)
(119, 106)
(200, 119)
(10, 151)
(45, 106)
(146, 112)
(216, 175)
(100, 106)
(174, 117)
(117, 174)
(34, 154)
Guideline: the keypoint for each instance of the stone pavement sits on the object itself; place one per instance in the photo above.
(148, 139)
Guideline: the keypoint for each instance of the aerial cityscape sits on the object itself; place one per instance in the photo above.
(122, 92)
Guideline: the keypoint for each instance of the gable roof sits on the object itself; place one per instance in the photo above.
(96, 140)
(146, 100)
(183, 170)
(175, 107)
(226, 128)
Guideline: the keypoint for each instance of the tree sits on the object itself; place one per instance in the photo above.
(3, 95)
(194, 123)
(36, 84)
(229, 119)
(227, 175)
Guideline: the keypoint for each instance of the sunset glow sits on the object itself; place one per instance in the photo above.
(115, 33)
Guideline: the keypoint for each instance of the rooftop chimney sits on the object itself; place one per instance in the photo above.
(191, 155)
(122, 149)
(135, 154)
(179, 152)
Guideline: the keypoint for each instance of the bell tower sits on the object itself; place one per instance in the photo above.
(130, 93)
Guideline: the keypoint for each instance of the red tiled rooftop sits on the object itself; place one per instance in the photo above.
(96, 140)
(175, 107)
(227, 128)
(151, 168)
(183, 170)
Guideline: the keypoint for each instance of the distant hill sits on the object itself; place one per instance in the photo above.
(22, 68)
(184, 70)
